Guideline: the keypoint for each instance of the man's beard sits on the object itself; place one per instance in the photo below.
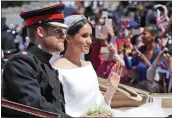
(53, 46)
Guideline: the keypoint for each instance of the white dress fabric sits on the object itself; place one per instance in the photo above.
(81, 89)
(57, 55)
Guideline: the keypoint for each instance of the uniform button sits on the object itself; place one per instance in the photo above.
(62, 101)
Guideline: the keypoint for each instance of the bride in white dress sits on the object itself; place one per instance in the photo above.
(79, 80)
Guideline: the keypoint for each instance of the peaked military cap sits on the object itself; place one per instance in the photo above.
(52, 15)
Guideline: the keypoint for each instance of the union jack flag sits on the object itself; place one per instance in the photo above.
(161, 21)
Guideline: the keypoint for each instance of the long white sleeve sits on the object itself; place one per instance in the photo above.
(152, 72)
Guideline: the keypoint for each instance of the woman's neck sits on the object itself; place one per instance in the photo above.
(73, 57)
(150, 46)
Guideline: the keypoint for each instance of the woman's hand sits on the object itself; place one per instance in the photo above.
(113, 82)
(102, 37)
(114, 76)
(142, 57)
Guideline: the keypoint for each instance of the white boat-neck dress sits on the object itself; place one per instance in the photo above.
(81, 89)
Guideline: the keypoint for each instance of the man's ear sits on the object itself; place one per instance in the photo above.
(40, 32)
(68, 38)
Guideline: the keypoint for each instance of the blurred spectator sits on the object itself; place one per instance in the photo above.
(118, 13)
(80, 6)
(166, 65)
(152, 73)
(7, 43)
(107, 59)
(127, 46)
(150, 17)
(100, 41)
(70, 10)
(7, 39)
(4, 27)
(89, 10)
(146, 54)
(106, 65)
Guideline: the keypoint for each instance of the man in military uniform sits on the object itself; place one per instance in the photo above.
(28, 77)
